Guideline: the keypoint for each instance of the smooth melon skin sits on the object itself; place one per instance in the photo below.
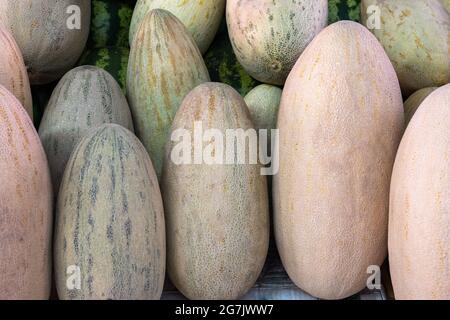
(415, 35)
(110, 221)
(164, 66)
(268, 36)
(419, 219)
(414, 101)
(13, 74)
(201, 18)
(340, 121)
(25, 206)
(40, 27)
(217, 215)
(85, 98)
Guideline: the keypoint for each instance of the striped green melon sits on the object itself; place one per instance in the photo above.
(201, 18)
(25, 206)
(110, 23)
(344, 10)
(85, 98)
(414, 101)
(109, 221)
(112, 59)
(223, 65)
(165, 64)
(217, 215)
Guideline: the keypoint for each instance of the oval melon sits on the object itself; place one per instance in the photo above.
(164, 65)
(419, 220)
(25, 206)
(110, 222)
(340, 125)
(13, 74)
(415, 35)
(268, 36)
(85, 98)
(217, 215)
(414, 101)
(201, 18)
(51, 34)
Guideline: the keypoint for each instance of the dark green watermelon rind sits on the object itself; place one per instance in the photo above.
(344, 10)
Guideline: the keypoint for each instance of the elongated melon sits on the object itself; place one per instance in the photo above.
(13, 74)
(51, 34)
(217, 214)
(165, 64)
(340, 121)
(268, 36)
(110, 238)
(419, 217)
(201, 18)
(85, 98)
(25, 206)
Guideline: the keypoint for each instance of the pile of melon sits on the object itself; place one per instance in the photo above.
(93, 204)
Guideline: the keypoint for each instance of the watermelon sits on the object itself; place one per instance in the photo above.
(223, 65)
(112, 59)
(344, 10)
(110, 230)
(110, 24)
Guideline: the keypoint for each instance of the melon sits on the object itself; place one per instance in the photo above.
(85, 98)
(164, 65)
(415, 35)
(110, 238)
(25, 206)
(414, 101)
(268, 36)
(340, 121)
(50, 34)
(217, 215)
(201, 18)
(419, 219)
(446, 4)
(13, 74)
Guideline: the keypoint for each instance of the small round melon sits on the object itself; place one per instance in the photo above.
(268, 36)
(414, 101)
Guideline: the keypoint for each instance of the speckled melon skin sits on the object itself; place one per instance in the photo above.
(217, 215)
(110, 220)
(164, 65)
(340, 121)
(25, 206)
(415, 35)
(40, 29)
(201, 17)
(419, 220)
(414, 101)
(263, 103)
(268, 36)
(85, 98)
(13, 74)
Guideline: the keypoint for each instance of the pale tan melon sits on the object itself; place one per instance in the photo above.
(13, 74)
(217, 215)
(340, 121)
(25, 206)
(419, 217)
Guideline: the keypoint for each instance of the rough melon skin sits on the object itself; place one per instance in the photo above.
(201, 18)
(13, 74)
(25, 206)
(164, 65)
(217, 215)
(110, 220)
(340, 121)
(40, 28)
(419, 219)
(414, 101)
(415, 35)
(268, 36)
(85, 98)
